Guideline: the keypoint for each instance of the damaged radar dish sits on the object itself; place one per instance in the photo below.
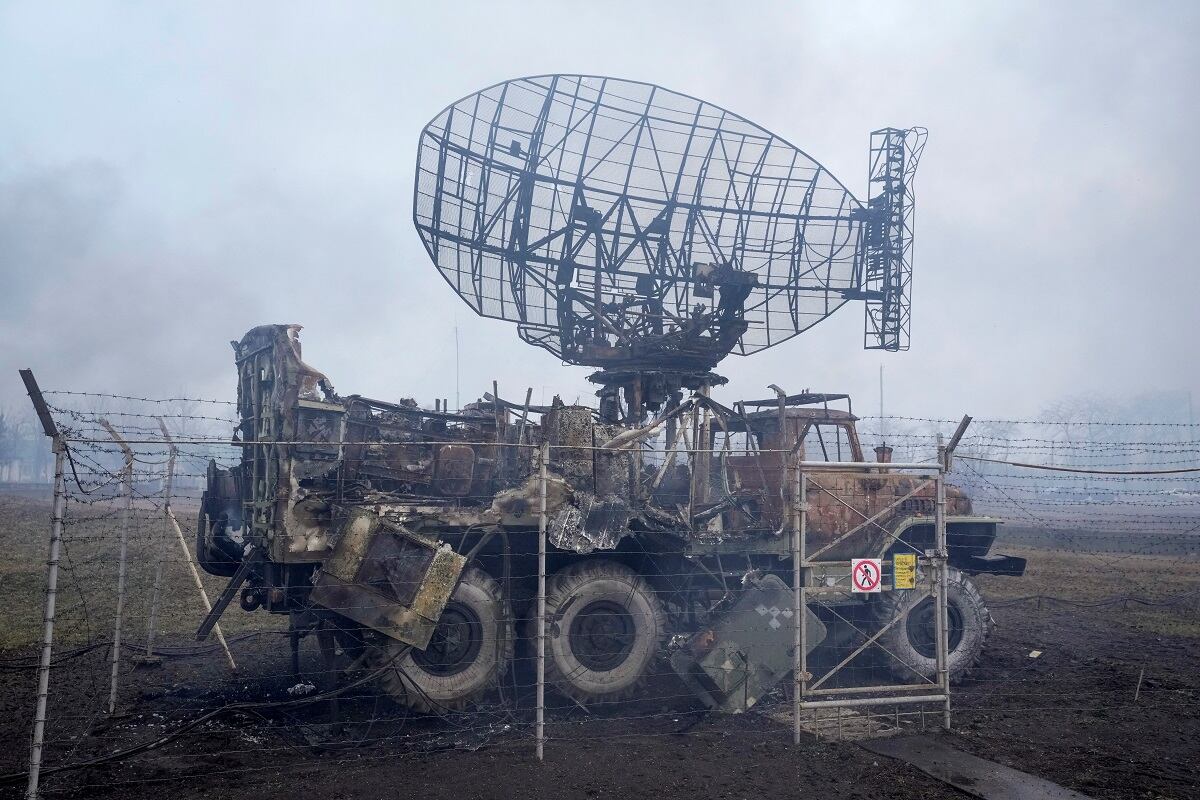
(632, 228)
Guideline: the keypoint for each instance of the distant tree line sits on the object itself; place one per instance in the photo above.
(24, 450)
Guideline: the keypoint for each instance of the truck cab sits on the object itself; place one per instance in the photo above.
(754, 485)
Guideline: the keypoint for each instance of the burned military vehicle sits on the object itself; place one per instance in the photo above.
(648, 235)
(413, 533)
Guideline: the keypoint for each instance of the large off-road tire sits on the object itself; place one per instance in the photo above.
(911, 642)
(469, 652)
(604, 629)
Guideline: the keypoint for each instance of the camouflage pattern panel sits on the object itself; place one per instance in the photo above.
(748, 650)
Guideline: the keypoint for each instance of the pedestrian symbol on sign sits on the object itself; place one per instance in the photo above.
(865, 574)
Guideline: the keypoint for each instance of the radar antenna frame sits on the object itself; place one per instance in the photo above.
(650, 234)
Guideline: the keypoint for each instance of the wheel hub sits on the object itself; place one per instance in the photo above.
(922, 628)
(602, 635)
(455, 643)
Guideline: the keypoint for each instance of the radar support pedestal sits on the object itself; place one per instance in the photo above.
(627, 394)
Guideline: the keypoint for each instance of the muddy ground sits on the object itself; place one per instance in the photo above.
(1099, 620)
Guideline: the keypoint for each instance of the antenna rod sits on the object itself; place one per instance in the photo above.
(457, 397)
(882, 421)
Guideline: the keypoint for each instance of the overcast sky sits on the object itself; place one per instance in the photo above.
(174, 174)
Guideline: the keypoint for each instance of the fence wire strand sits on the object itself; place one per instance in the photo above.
(1103, 627)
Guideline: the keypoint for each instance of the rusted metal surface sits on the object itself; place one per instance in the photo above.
(355, 502)
(397, 452)
(360, 450)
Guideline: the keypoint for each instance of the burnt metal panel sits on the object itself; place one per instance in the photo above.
(388, 579)
(454, 469)
(732, 663)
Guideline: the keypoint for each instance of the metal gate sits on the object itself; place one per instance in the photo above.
(866, 580)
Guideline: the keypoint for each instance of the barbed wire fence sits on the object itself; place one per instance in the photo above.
(1107, 514)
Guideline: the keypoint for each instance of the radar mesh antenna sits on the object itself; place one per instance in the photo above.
(887, 281)
(648, 233)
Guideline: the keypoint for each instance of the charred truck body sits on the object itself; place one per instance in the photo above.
(649, 235)
(413, 533)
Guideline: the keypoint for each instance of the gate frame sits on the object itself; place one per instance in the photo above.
(936, 559)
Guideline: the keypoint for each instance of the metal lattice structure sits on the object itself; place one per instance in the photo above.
(887, 280)
(626, 226)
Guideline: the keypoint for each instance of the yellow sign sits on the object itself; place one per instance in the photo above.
(904, 568)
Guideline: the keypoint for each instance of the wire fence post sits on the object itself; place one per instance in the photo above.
(943, 582)
(541, 601)
(798, 664)
(187, 555)
(168, 479)
(127, 518)
(43, 690)
(37, 738)
(169, 513)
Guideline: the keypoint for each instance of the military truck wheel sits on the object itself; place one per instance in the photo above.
(912, 640)
(604, 628)
(469, 652)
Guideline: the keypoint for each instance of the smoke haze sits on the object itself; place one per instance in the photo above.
(171, 176)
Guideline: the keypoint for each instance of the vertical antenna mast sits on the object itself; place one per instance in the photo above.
(887, 278)
(882, 420)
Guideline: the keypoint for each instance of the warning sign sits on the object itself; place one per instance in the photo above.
(904, 568)
(865, 574)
